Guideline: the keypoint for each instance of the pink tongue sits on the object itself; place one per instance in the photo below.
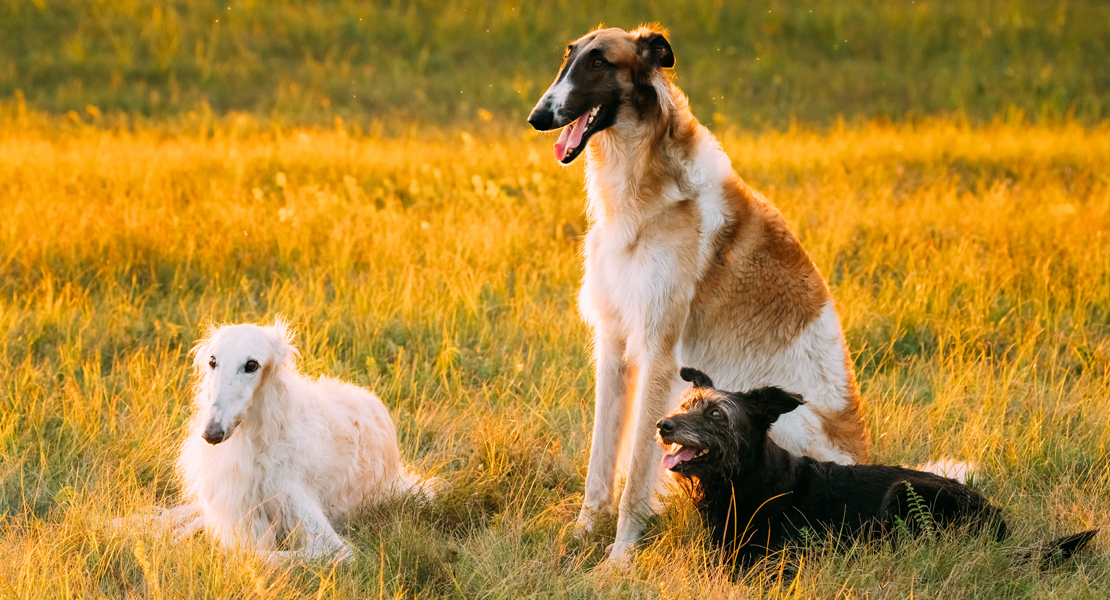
(670, 460)
(571, 137)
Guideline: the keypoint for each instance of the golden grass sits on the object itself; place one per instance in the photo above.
(970, 266)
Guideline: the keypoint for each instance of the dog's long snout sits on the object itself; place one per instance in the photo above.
(665, 426)
(213, 433)
(542, 118)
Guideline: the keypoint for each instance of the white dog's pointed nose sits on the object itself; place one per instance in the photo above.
(213, 433)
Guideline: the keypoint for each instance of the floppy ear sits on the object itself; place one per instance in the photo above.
(200, 354)
(696, 377)
(773, 402)
(202, 350)
(282, 340)
(654, 50)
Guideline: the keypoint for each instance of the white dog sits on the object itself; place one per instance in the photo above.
(273, 456)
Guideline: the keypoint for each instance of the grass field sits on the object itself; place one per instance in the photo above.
(360, 168)
(970, 266)
(392, 63)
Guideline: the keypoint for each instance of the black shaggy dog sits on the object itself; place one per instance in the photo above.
(757, 498)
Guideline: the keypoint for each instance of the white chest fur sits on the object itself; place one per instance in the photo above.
(637, 268)
(628, 285)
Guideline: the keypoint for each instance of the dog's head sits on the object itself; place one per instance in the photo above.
(604, 73)
(233, 363)
(717, 432)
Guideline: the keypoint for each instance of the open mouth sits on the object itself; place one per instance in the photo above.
(680, 456)
(575, 135)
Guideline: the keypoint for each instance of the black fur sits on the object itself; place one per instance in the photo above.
(655, 50)
(756, 498)
(695, 377)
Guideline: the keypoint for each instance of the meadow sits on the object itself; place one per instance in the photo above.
(970, 266)
(363, 169)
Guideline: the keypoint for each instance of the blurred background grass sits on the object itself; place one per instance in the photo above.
(441, 63)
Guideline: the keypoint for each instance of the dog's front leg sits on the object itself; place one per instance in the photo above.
(656, 386)
(320, 538)
(182, 521)
(186, 520)
(611, 408)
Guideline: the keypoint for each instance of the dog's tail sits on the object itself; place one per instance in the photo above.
(411, 483)
(960, 470)
(1057, 551)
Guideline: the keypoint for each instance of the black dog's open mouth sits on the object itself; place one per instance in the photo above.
(679, 457)
(575, 135)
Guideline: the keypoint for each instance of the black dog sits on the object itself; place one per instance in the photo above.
(756, 498)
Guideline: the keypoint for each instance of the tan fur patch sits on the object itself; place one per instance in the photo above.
(846, 427)
(761, 286)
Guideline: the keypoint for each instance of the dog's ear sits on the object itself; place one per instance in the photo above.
(282, 340)
(202, 349)
(772, 402)
(654, 50)
(695, 377)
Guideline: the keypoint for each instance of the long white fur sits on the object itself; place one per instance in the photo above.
(300, 455)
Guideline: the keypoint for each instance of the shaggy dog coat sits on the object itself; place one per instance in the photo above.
(274, 459)
(756, 498)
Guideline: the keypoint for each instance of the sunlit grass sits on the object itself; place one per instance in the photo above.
(970, 267)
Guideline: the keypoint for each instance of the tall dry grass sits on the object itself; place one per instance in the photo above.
(970, 266)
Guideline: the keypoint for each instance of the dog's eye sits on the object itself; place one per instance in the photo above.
(716, 412)
(212, 362)
(251, 366)
(598, 63)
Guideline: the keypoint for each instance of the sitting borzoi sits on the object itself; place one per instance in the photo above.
(756, 498)
(685, 263)
(274, 458)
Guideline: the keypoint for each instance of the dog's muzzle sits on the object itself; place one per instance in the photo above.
(213, 433)
(542, 119)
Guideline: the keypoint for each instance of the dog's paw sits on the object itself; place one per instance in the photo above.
(432, 487)
(621, 555)
(277, 558)
(346, 554)
(140, 522)
(187, 530)
(584, 528)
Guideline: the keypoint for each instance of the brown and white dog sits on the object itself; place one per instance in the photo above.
(685, 265)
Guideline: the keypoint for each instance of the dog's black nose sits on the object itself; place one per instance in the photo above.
(665, 426)
(213, 434)
(541, 119)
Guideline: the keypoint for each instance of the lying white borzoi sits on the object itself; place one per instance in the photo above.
(274, 457)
